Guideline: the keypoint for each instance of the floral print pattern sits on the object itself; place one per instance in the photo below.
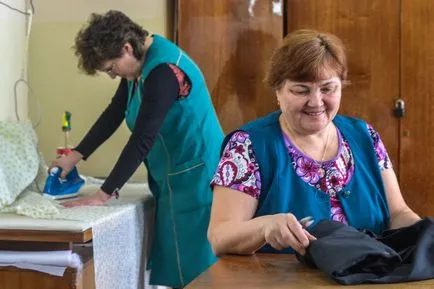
(184, 83)
(239, 170)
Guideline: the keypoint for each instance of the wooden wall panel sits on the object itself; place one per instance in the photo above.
(417, 86)
(370, 31)
(231, 41)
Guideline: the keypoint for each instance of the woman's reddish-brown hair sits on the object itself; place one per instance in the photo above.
(307, 56)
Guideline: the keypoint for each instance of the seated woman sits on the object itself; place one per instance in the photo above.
(303, 161)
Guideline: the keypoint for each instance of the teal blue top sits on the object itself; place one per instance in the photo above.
(363, 199)
(180, 167)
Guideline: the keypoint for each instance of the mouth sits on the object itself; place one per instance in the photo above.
(314, 113)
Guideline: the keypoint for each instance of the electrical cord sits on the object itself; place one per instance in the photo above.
(39, 109)
(22, 79)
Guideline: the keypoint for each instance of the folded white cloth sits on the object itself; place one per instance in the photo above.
(51, 262)
(55, 258)
(52, 270)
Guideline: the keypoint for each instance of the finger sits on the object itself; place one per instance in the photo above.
(288, 239)
(70, 204)
(52, 165)
(285, 240)
(63, 173)
(297, 230)
(309, 235)
(282, 238)
(301, 251)
(282, 242)
(275, 244)
(271, 241)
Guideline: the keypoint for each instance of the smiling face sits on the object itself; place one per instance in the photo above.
(307, 73)
(310, 106)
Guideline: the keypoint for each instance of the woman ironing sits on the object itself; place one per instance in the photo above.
(165, 102)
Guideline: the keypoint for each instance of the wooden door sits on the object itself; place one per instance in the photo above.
(417, 89)
(370, 31)
(231, 41)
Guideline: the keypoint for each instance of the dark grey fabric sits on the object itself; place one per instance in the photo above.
(350, 256)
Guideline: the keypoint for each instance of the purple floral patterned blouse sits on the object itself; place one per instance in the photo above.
(239, 170)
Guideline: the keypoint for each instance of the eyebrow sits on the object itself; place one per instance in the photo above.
(327, 83)
(307, 86)
(300, 85)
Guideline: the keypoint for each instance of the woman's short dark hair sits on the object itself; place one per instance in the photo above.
(103, 38)
(304, 56)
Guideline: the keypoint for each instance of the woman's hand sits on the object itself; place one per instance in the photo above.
(66, 163)
(284, 230)
(97, 199)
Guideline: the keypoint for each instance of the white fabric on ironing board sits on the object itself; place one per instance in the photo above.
(22, 171)
(81, 218)
(121, 229)
(19, 160)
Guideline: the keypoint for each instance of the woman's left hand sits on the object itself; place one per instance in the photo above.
(97, 199)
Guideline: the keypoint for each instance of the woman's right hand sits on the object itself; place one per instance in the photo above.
(284, 230)
(66, 162)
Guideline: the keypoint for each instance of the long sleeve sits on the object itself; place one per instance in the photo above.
(107, 123)
(161, 91)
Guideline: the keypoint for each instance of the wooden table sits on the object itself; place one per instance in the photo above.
(275, 271)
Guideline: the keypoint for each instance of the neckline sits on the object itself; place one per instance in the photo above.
(288, 142)
(308, 187)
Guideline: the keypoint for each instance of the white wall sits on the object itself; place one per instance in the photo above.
(12, 40)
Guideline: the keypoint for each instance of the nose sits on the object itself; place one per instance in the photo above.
(315, 99)
(112, 75)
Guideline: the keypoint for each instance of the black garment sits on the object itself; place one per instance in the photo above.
(162, 90)
(350, 256)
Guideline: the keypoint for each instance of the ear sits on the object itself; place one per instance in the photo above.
(127, 48)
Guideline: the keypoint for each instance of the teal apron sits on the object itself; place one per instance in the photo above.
(180, 167)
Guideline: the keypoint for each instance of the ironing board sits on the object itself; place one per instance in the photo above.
(21, 233)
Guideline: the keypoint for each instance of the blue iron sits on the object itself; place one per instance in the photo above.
(57, 188)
